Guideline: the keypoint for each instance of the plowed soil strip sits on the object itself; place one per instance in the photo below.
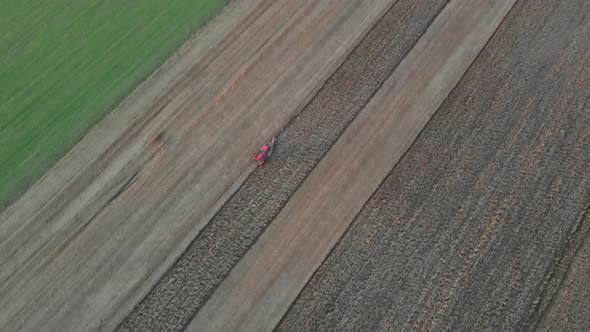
(173, 302)
(466, 231)
(570, 309)
(86, 254)
(265, 282)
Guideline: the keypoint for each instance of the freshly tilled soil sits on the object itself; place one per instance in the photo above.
(467, 230)
(569, 308)
(191, 281)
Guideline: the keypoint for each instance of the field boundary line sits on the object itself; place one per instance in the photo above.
(264, 283)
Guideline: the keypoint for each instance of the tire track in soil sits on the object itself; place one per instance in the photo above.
(467, 228)
(190, 282)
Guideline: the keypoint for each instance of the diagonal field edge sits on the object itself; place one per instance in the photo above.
(101, 264)
(404, 263)
(263, 285)
(140, 318)
(385, 178)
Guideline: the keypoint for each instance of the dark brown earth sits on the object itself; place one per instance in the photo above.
(468, 229)
(570, 308)
(191, 281)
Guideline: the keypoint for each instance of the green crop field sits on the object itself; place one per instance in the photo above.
(65, 64)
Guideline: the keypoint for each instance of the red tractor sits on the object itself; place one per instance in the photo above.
(264, 152)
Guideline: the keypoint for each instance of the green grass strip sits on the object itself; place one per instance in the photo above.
(64, 64)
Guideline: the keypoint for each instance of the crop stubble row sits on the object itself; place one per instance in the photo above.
(194, 277)
(466, 230)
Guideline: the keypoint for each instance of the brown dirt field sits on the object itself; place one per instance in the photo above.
(570, 306)
(465, 232)
(262, 286)
(88, 241)
(481, 225)
(173, 302)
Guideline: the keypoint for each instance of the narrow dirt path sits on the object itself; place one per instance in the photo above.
(262, 286)
(81, 256)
